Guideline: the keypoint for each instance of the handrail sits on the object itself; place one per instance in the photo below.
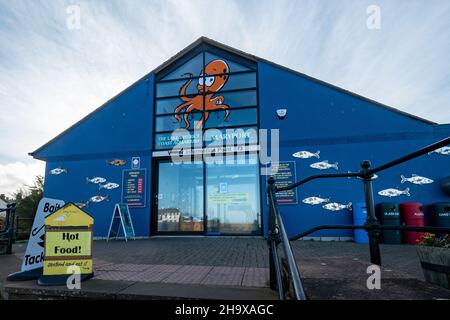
(277, 233)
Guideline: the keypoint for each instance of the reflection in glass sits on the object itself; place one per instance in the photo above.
(232, 197)
(180, 197)
(172, 88)
(240, 98)
(168, 123)
(236, 118)
(240, 81)
(234, 67)
(193, 66)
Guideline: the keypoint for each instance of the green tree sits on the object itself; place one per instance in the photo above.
(28, 199)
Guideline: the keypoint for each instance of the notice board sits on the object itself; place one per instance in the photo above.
(286, 175)
(134, 184)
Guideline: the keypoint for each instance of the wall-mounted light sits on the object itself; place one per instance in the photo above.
(281, 113)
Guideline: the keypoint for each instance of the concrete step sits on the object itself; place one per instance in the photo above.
(129, 290)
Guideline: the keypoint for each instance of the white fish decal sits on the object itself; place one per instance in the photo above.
(392, 192)
(323, 165)
(315, 200)
(444, 151)
(82, 204)
(58, 171)
(335, 206)
(306, 154)
(96, 180)
(109, 186)
(416, 179)
(98, 198)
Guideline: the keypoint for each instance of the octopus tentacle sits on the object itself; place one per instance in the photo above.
(184, 88)
(181, 107)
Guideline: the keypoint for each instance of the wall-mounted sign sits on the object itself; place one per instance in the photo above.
(134, 187)
(34, 255)
(286, 175)
(121, 218)
(135, 162)
(181, 152)
(67, 245)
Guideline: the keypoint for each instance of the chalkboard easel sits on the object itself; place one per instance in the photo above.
(121, 217)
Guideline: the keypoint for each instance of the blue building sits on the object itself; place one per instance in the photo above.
(155, 146)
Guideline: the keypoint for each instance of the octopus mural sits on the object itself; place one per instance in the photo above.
(208, 85)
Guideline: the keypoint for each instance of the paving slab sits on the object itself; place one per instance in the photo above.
(140, 290)
(189, 274)
(228, 276)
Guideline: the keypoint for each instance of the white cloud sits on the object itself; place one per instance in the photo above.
(18, 175)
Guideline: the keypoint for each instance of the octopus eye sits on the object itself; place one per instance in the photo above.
(200, 81)
(209, 81)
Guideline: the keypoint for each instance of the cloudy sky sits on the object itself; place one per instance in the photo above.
(54, 71)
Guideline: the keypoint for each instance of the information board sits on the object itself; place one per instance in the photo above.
(121, 218)
(286, 175)
(33, 258)
(67, 245)
(134, 183)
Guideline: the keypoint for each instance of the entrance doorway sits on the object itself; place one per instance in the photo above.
(207, 198)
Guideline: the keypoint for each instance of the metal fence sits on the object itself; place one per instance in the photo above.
(284, 274)
(7, 230)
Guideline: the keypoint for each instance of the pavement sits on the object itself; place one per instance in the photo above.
(230, 268)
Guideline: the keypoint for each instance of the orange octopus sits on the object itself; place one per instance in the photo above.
(209, 83)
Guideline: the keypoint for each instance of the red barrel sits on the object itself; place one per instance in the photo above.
(412, 215)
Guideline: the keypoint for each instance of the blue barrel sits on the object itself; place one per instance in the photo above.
(359, 218)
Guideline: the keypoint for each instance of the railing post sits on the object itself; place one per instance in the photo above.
(371, 220)
(10, 218)
(271, 233)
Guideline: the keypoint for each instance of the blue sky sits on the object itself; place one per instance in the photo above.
(51, 76)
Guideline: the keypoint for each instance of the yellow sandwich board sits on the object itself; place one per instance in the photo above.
(67, 245)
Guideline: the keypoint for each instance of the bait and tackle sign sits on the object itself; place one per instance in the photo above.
(34, 255)
(67, 245)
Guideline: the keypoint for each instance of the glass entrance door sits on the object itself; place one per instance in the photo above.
(232, 197)
(209, 198)
(180, 198)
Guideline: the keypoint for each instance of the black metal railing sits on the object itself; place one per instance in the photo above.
(288, 283)
(22, 228)
(7, 231)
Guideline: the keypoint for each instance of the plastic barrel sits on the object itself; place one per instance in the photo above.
(359, 218)
(412, 215)
(440, 214)
(389, 214)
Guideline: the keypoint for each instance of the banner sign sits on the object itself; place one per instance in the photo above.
(34, 255)
(133, 187)
(286, 175)
(121, 217)
(68, 243)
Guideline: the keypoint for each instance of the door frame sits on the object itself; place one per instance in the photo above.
(154, 204)
(154, 207)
